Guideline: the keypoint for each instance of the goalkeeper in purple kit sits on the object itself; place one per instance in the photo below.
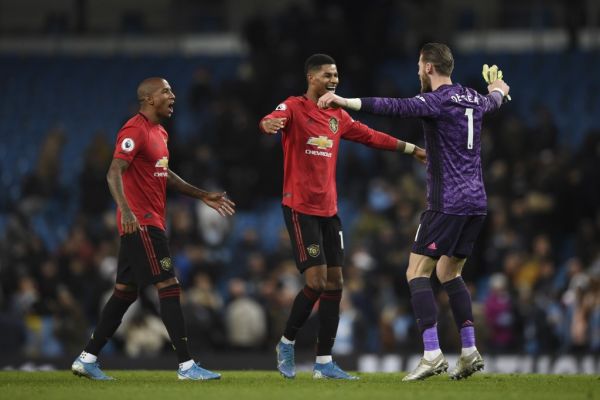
(456, 200)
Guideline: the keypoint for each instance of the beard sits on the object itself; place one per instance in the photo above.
(425, 84)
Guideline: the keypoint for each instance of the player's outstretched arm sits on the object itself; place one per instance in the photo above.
(418, 106)
(412, 149)
(215, 200)
(114, 177)
(219, 202)
(420, 155)
(361, 133)
(271, 126)
(331, 100)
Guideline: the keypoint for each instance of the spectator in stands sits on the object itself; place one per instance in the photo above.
(44, 183)
(499, 312)
(245, 319)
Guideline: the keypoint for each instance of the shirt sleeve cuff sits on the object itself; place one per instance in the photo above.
(366, 104)
(499, 91)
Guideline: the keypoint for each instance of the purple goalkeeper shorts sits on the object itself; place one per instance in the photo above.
(449, 235)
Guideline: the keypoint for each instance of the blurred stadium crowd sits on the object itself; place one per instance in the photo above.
(534, 277)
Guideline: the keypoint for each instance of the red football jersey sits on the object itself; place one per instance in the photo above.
(310, 141)
(144, 145)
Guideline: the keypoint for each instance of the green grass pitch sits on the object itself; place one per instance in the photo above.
(263, 385)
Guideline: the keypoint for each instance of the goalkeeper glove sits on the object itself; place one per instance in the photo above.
(491, 74)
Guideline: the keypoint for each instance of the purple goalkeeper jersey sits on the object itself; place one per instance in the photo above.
(452, 116)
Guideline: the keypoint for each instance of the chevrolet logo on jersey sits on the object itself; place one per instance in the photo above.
(322, 142)
(163, 163)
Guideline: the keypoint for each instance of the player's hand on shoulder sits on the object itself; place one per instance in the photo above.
(420, 155)
(331, 100)
(272, 125)
(220, 203)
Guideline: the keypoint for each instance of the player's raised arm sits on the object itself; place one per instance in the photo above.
(497, 95)
(499, 88)
(490, 75)
(215, 200)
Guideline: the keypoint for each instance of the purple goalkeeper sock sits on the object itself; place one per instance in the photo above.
(430, 339)
(467, 336)
(423, 303)
(460, 302)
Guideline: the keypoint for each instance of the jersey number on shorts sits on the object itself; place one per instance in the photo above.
(469, 114)
(341, 239)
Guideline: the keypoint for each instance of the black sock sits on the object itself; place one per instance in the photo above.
(110, 319)
(303, 304)
(329, 318)
(460, 302)
(423, 303)
(172, 316)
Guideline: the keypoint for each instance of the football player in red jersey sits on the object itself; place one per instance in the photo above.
(138, 178)
(310, 140)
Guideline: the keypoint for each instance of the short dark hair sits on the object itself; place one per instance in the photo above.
(316, 60)
(440, 56)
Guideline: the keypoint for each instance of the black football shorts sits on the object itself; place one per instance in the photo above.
(315, 240)
(144, 257)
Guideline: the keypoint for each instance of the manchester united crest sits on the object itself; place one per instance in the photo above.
(314, 250)
(333, 125)
(165, 263)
